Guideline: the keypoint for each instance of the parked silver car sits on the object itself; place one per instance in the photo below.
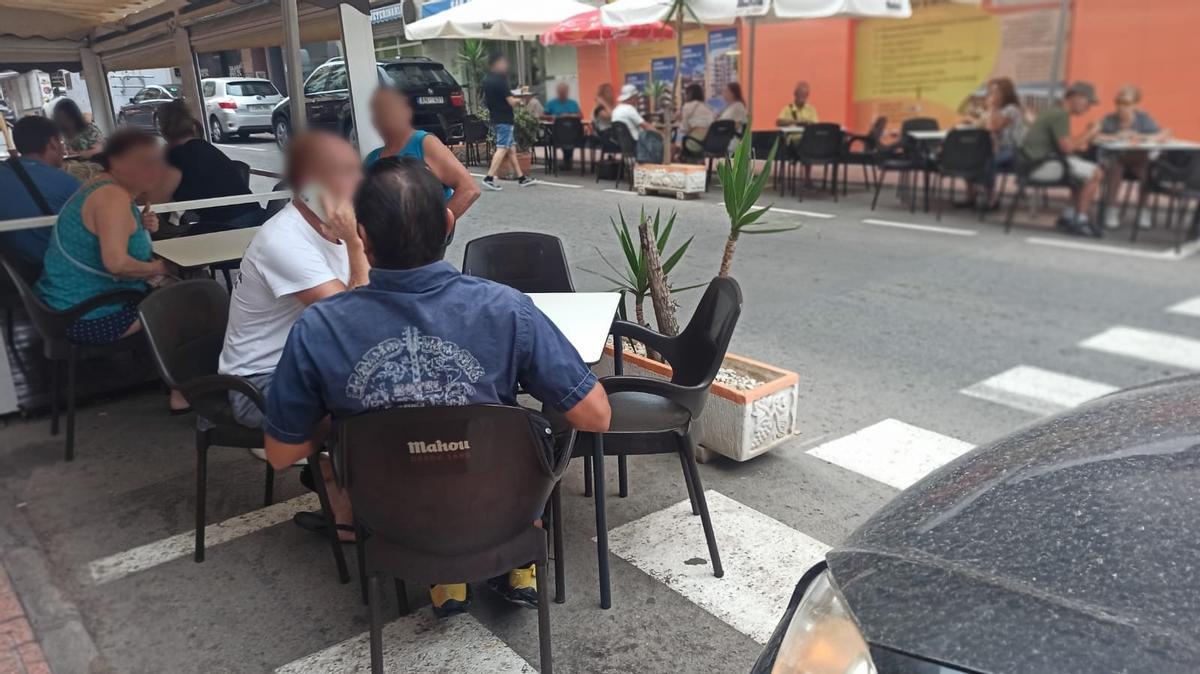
(238, 105)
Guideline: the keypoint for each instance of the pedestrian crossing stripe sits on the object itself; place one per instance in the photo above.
(1149, 345)
(419, 643)
(892, 452)
(762, 558)
(1032, 389)
(1187, 307)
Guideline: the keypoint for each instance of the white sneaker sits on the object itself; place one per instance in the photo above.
(1145, 219)
(1112, 218)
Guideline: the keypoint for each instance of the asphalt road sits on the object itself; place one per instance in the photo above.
(886, 325)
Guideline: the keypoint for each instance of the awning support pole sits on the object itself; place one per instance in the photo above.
(98, 94)
(185, 58)
(359, 48)
(291, 61)
(1060, 40)
(750, 76)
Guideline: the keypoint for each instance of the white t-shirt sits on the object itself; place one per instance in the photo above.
(287, 256)
(630, 116)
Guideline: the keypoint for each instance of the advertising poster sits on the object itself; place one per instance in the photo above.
(663, 70)
(639, 80)
(722, 65)
(694, 64)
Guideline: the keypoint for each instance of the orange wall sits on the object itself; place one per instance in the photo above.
(596, 66)
(1152, 44)
(817, 51)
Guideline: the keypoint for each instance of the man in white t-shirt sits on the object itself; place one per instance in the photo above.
(627, 113)
(295, 260)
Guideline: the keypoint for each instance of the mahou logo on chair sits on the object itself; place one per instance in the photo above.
(438, 447)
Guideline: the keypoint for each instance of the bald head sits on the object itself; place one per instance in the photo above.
(326, 159)
(563, 90)
(800, 93)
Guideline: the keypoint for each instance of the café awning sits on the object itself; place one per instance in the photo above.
(496, 19)
(588, 29)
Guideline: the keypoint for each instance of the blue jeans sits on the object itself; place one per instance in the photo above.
(504, 135)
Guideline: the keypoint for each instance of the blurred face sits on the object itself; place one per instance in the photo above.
(140, 169)
(63, 122)
(1126, 106)
(1078, 105)
(335, 166)
(500, 66)
(800, 94)
(727, 94)
(563, 92)
(993, 95)
(391, 113)
(606, 93)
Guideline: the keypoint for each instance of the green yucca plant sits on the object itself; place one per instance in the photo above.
(632, 279)
(472, 58)
(742, 189)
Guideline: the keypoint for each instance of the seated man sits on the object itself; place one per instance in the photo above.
(293, 261)
(386, 345)
(649, 140)
(562, 105)
(48, 188)
(1049, 136)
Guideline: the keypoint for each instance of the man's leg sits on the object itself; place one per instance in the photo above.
(497, 161)
(1091, 176)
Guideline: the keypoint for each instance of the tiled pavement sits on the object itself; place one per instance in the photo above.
(20, 652)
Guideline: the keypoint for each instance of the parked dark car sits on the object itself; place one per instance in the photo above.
(433, 91)
(1069, 546)
(142, 110)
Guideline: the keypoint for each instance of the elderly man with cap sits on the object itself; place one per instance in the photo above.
(1050, 137)
(649, 143)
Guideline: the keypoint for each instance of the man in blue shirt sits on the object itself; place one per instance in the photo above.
(420, 333)
(564, 106)
(42, 151)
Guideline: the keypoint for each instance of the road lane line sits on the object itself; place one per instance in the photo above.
(615, 191)
(1032, 389)
(1187, 307)
(762, 557)
(1149, 345)
(892, 452)
(1168, 255)
(792, 211)
(122, 564)
(419, 642)
(921, 228)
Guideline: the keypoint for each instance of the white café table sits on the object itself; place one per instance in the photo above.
(583, 318)
(927, 136)
(1138, 145)
(190, 252)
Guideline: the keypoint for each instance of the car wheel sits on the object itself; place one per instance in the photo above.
(215, 131)
(282, 132)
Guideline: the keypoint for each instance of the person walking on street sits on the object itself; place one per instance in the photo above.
(500, 103)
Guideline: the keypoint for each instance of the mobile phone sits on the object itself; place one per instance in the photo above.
(311, 196)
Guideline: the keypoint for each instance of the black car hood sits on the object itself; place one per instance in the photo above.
(1070, 546)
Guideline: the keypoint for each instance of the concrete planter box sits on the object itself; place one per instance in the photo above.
(683, 181)
(736, 424)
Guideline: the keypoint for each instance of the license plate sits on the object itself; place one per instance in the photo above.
(431, 100)
(258, 108)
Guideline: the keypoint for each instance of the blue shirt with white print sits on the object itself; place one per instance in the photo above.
(424, 336)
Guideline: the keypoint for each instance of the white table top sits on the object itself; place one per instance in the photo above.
(791, 129)
(583, 318)
(1147, 145)
(190, 252)
(929, 135)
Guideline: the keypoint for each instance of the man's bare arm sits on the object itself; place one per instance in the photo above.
(592, 414)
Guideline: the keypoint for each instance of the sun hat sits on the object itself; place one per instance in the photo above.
(627, 92)
(1085, 89)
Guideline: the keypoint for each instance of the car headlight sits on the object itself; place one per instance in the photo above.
(822, 637)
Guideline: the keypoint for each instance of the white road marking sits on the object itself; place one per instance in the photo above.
(892, 452)
(921, 228)
(122, 564)
(1156, 347)
(791, 211)
(762, 557)
(614, 191)
(1187, 307)
(554, 184)
(243, 147)
(419, 642)
(1168, 255)
(1033, 389)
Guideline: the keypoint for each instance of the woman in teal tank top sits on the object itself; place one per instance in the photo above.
(392, 115)
(101, 241)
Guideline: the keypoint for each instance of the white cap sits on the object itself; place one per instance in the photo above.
(627, 92)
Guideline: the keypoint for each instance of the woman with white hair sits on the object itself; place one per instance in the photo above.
(1126, 122)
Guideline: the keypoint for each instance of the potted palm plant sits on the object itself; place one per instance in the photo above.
(754, 404)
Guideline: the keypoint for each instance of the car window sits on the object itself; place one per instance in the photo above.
(316, 81)
(210, 89)
(251, 88)
(337, 79)
(172, 91)
(140, 96)
(412, 75)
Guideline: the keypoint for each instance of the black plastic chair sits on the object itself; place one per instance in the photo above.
(967, 155)
(447, 495)
(761, 143)
(10, 298)
(907, 156)
(528, 261)
(864, 157)
(628, 152)
(1175, 175)
(475, 133)
(1026, 178)
(821, 145)
(185, 325)
(52, 326)
(654, 416)
(566, 133)
(714, 146)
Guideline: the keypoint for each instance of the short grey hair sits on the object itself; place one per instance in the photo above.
(1129, 92)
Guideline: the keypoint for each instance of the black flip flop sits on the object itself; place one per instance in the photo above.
(315, 522)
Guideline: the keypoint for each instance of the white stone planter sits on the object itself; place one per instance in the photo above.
(684, 181)
(736, 424)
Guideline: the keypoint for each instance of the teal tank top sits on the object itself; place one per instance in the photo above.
(415, 148)
(73, 270)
